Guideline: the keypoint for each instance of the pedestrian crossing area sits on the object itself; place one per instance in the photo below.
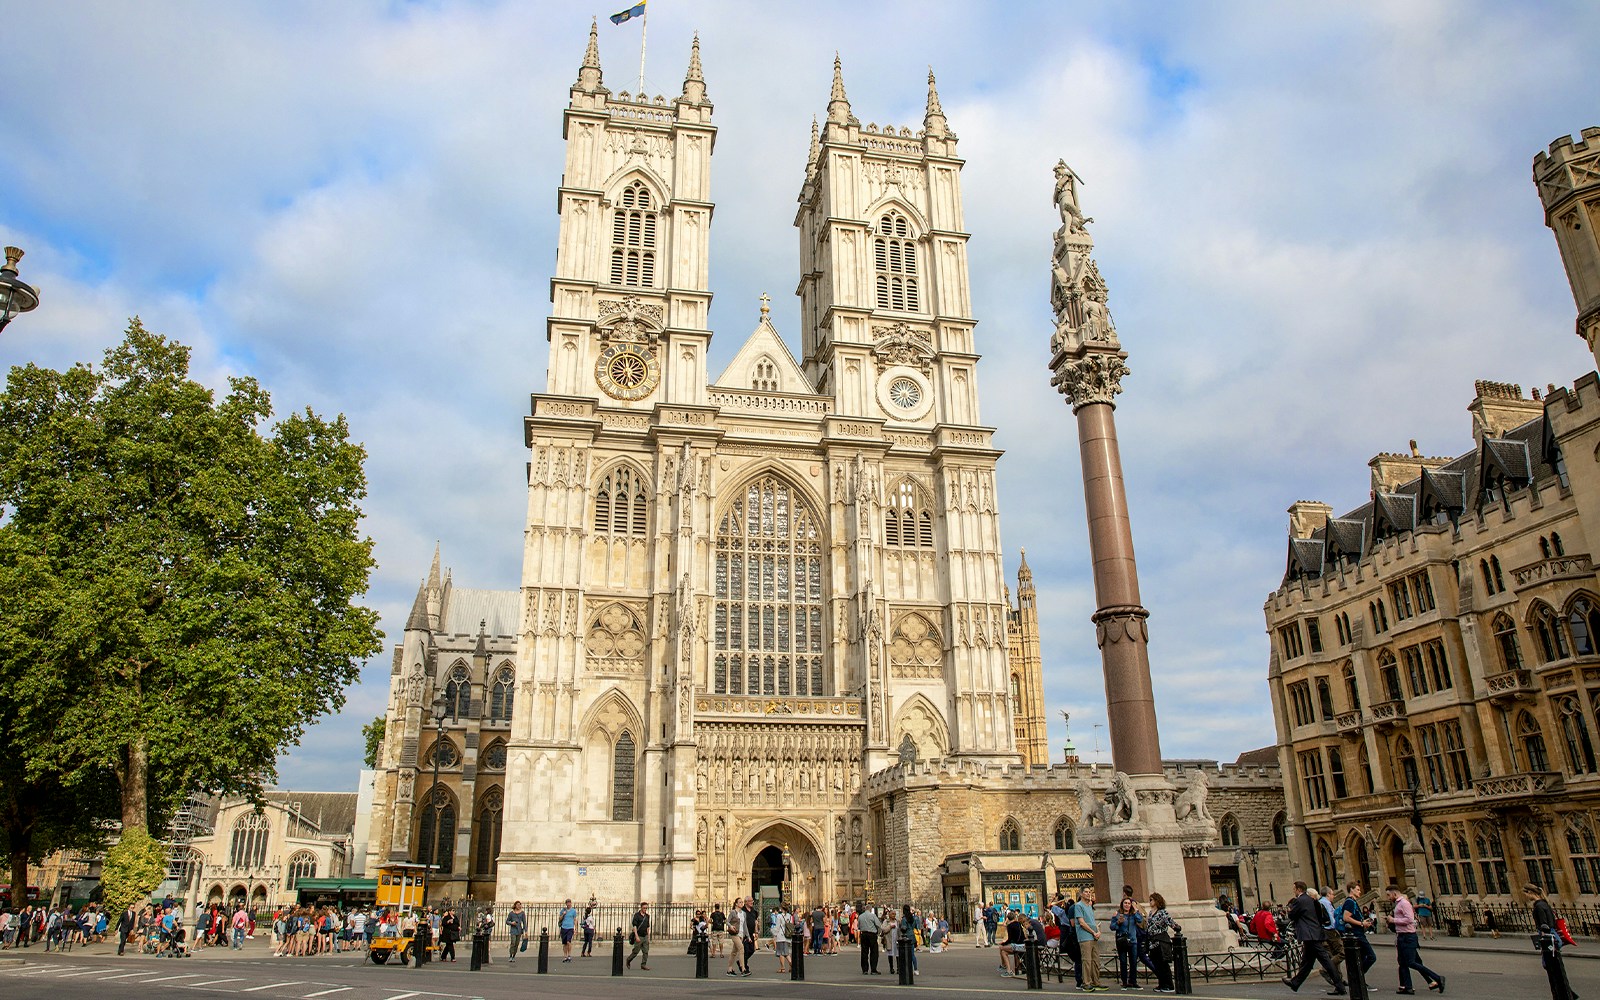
(164, 979)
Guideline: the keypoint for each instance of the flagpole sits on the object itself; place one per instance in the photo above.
(644, 30)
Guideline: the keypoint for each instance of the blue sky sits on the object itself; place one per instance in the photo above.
(1317, 223)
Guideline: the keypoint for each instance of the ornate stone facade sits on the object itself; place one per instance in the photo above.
(740, 597)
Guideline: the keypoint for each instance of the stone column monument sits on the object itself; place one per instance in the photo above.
(1143, 832)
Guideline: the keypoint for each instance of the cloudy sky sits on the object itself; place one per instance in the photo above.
(1316, 221)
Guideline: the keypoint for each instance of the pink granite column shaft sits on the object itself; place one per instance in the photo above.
(1119, 617)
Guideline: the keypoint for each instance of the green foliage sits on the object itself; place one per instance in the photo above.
(133, 869)
(180, 584)
(373, 732)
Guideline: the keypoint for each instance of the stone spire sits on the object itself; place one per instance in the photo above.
(419, 609)
(589, 79)
(435, 589)
(694, 85)
(933, 121)
(1025, 577)
(815, 155)
(838, 104)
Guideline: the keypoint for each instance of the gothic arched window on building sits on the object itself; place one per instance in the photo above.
(908, 522)
(458, 694)
(436, 829)
(1010, 836)
(1335, 774)
(1405, 765)
(1228, 831)
(916, 649)
(894, 252)
(633, 238)
(768, 581)
(1552, 637)
(444, 753)
(1531, 737)
(1505, 636)
(249, 846)
(487, 856)
(1389, 673)
(623, 768)
(501, 693)
(1555, 543)
(1584, 852)
(1446, 871)
(1064, 838)
(1575, 734)
(1492, 861)
(764, 375)
(621, 503)
(1325, 698)
(1364, 765)
(1280, 829)
(493, 757)
(1584, 620)
(1352, 691)
(302, 865)
(1536, 853)
(1325, 865)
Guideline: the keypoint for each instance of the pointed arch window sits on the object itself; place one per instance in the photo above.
(444, 753)
(1364, 766)
(768, 573)
(1555, 543)
(493, 757)
(1064, 838)
(1492, 861)
(1335, 774)
(302, 865)
(1010, 836)
(1532, 739)
(622, 503)
(1584, 851)
(1352, 691)
(633, 238)
(1405, 765)
(458, 693)
(908, 522)
(623, 769)
(436, 830)
(1389, 673)
(1584, 620)
(1552, 637)
(1575, 734)
(1536, 860)
(894, 252)
(764, 375)
(501, 694)
(1228, 830)
(1280, 829)
(487, 859)
(1505, 636)
(249, 846)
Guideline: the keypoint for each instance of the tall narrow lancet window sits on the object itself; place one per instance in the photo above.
(768, 581)
(501, 694)
(623, 765)
(438, 806)
(633, 238)
(894, 253)
(908, 521)
(458, 694)
(490, 808)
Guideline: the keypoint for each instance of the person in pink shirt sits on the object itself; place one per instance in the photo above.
(1404, 923)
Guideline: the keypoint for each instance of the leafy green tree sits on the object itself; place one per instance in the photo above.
(182, 581)
(373, 732)
(133, 868)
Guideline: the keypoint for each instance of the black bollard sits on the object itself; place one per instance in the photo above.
(480, 951)
(544, 951)
(797, 956)
(1554, 969)
(616, 953)
(1031, 959)
(907, 945)
(1356, 979)
(702, 956)
(1180, 964)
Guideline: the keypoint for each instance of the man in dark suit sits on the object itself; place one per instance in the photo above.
(1308, 920)
(125, 925)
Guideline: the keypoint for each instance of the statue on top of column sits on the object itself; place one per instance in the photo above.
(1067, 198)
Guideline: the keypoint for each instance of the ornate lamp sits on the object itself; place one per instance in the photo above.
(16, 295)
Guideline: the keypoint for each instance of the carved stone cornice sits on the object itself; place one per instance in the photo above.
(1119, 623)
(1093, 377)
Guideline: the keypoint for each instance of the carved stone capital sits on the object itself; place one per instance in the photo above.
(1201, 850)
(1094, 377)
(1132, 852)
(1120, 622)
(1097, 855)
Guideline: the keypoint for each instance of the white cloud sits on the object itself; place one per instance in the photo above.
(1317, 225)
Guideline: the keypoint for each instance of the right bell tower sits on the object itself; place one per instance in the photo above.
(1568, 179)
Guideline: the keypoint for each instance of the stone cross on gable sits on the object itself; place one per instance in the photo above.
(766, 305)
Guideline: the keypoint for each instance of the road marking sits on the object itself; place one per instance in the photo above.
(125, 975)
(270, 986)
(211, 982)
(323, 993)
(402, 996)
(187, 975)
(81, 972)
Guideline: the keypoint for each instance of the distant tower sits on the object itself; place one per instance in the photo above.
(1027, 672)
(1568, 179)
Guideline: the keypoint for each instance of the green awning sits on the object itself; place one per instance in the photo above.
(336, 885)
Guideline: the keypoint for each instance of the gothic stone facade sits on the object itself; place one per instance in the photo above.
(740, 597)
(1436, 652)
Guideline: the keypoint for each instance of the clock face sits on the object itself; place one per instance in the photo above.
(627, 371)
(905, 393)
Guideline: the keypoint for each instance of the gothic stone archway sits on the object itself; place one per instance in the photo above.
(763, 856)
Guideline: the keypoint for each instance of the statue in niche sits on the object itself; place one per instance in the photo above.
(855, 835)
(722, 838)
(700, 838)
(700, 776)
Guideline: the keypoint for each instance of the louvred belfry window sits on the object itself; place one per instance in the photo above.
(894, 253)
(621, 503)
(633, 238)
(768, 627)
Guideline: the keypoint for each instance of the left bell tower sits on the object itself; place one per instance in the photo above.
(629, 302)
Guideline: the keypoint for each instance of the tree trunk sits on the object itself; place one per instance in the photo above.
(136, 785)
(19, 880)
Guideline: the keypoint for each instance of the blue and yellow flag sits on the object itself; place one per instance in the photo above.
(636, 10)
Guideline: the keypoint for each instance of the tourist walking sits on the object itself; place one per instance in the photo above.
(1404, 922)
(1355, 920)
(517, 927)
(125, 925)
(782, 927)
(640, 936)
(569, 929)
(868, 926)
(1309, 923)
(719, 928)
(590, 925)
(1545, 923)
(736, 918)
(449, 934)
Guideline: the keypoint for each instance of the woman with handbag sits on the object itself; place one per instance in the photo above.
(1159, 927)
(1127, 923)
(1553, 929)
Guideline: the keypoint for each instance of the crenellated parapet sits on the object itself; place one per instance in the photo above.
(1568, 181)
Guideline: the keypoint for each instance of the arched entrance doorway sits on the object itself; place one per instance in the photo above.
(766, 873)
(1394, 861)
(763, 854)
(1361, 862)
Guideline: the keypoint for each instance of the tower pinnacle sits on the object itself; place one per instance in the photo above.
(589, 79)
(838, 104)
(933, 120)
(694, 84)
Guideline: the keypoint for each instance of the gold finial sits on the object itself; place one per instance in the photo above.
(766, 304)
(13, 254)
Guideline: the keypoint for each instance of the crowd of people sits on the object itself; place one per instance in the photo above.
(1070, 933)
(821, 930)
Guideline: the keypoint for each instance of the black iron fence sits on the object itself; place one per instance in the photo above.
(1582, 918)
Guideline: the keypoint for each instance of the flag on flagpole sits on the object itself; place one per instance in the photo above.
(637, 10)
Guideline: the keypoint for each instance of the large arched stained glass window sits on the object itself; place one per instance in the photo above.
(769, 594)
(623, 768)
(249, 847)
(302, 865)
(490, 808)
(437, 808)
(501, 693)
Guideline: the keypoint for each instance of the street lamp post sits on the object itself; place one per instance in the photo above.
(16, 295)
(1254, 854)
(867, 888)
(439, 708)
(786, 889)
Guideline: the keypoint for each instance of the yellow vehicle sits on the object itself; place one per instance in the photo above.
(401, 889)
